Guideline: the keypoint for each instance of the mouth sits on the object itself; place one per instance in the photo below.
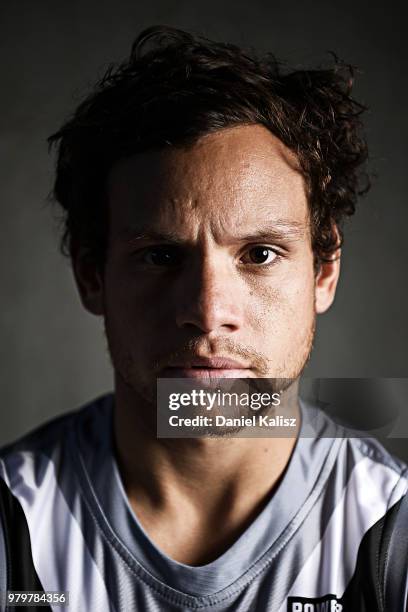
(206, 367)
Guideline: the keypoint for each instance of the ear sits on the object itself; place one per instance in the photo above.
(89, 280)
(326, 283)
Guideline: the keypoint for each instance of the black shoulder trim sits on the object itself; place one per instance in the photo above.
(396, 561)
(20, 571)
(366, 590)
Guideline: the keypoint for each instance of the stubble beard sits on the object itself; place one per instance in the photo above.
(144, 392)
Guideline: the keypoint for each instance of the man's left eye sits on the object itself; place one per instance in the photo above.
(260, 255)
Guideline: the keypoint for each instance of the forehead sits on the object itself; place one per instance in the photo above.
(230, 179)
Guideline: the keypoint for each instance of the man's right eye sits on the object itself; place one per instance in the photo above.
(164, 256)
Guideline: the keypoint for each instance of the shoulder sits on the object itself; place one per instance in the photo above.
(54, 431)
(35, 459)
(363, 517)
(377, 497)
(364, 480)
(372, 472)
(39, 484)
(363, 466)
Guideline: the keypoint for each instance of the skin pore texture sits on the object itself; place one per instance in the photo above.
(209, 255)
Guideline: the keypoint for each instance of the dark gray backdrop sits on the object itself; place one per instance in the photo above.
(53, 355)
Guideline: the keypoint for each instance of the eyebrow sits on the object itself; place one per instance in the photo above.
(280, 230)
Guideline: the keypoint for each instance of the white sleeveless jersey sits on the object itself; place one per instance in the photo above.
(332, 538)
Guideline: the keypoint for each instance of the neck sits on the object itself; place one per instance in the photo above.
(227, 479)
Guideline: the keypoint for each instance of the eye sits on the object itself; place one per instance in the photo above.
(260, 255)
(163, 256)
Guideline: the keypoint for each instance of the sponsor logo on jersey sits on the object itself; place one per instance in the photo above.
(328, 603)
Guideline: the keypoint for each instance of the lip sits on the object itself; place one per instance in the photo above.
(206, 367)
(222, 363)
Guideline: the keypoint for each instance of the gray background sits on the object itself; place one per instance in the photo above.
(53, 355)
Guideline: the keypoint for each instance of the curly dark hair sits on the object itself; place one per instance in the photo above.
(176, 87)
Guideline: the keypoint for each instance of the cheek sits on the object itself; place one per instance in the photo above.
(128, 308)
(284, 306)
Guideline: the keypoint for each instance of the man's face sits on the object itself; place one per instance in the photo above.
(209, 268)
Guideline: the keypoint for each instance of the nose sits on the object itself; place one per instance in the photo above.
(210, 299)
